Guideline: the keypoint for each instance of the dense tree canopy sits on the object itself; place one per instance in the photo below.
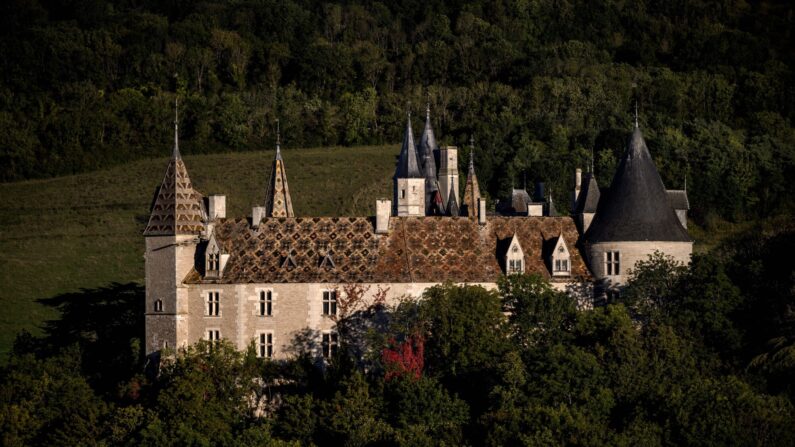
(539, 84)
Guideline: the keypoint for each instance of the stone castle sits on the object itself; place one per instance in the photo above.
(274, 276)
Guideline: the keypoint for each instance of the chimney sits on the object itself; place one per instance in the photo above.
(216, 206)
(482, 211)
(257, 214)
(383, 209)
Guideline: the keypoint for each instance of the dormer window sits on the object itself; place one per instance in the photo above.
(214, 259)
(560, 259)
(514, 258)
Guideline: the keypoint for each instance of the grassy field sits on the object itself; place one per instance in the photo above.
(81, 232)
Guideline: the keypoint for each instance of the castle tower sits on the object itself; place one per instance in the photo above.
(428, 150)
(448, 172)
(172, 234)
(277, 194)
(409, 181)
(587, 197)
(634, 219)
(469, 207)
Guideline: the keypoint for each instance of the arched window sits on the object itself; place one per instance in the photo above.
(158, 305)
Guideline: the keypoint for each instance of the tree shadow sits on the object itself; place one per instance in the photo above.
(106, 323)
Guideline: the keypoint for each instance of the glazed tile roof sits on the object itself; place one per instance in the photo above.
(178, 208)
(416, 249)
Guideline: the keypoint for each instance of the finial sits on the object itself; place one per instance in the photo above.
(176, 128)
(278, 139)
(428, 106)
(592, 157)
(636, 114)
(471, 152)
(524, 180)
(685, 183)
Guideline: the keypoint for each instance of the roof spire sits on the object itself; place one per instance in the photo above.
(471, 153)
(278, 140)
(636, 114)
(176, 153)
(592, 157)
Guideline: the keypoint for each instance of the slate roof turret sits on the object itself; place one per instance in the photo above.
(426, 152)
(408, 162)
(636, 208)
(472, 190)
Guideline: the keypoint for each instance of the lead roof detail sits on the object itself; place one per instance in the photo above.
(636, 208)
(416, 249)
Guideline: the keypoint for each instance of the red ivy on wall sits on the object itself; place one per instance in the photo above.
(404, 359)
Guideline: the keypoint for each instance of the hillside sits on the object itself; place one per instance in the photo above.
(79, 232)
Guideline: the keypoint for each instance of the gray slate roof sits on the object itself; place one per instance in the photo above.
(408, 164)
(588, 200)
(636, 207)
(677, 198)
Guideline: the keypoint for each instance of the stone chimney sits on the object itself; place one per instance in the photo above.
(216, 206)
(383, 209)
(482, 211)
(257, 214)
(577, 187)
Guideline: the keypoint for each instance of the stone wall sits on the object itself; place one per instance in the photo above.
(630, 253)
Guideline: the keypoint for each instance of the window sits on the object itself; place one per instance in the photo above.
(515, 266)
(329, 302)
(212, 262)
(265, 303)
(265, 345)
(402, 193)
(330, 343)
(213, 304)
(612, 265)
(158, 305)
(214, 335)
(561, 265)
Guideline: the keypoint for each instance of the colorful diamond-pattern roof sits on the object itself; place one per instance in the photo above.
(178, 208)
(416, 249)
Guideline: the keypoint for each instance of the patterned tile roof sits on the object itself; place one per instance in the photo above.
(178, 208)
(416, 249)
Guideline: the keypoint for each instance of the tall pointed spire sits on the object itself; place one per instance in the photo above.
(426, 151)
(469, 206)
(277, 194)
(178, 208)
(176, 153)
(408, 165)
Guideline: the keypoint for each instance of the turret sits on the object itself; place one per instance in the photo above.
(469, 207)
(409, 181)
(634, 218)
(427, 151)
(172, 235)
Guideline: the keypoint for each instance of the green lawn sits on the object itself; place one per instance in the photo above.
(84, 231)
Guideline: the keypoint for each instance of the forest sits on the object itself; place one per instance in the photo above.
(542, 86)
(697, 355)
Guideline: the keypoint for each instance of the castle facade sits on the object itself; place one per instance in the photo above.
(274, 278)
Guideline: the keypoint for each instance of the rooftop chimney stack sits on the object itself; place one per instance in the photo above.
(216, 206)
(383, 209)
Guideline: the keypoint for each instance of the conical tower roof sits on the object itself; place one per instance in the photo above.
(178, 208)
(408, 164)
(426, 151)
(277, 194)
(588, 200)
(636, 207)
(471, 189)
